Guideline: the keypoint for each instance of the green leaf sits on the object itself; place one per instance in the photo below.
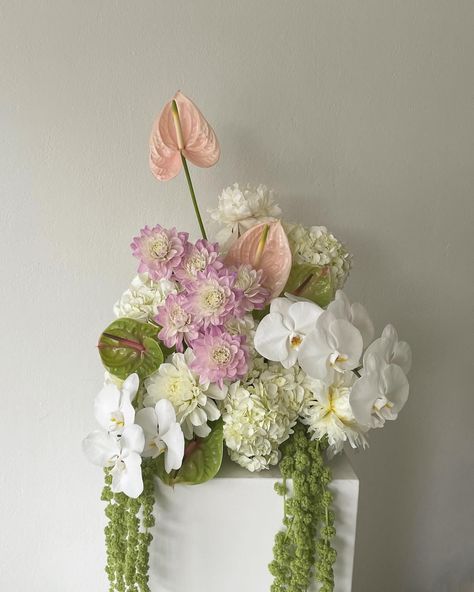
(128, 346)
(202, 459)
(312, 282)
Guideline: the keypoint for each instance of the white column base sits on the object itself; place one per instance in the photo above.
(218, 536)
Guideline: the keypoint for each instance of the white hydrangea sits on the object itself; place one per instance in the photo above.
(143, 298)
(259, 413)
(239, 209)
(243, 326)
(193, 401)
(317, 246)
(328, 412)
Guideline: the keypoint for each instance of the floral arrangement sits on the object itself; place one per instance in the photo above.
(246, 346)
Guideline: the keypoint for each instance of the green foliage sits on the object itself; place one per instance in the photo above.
(128, 346)
(302, 550)
(312, 282)
(126, 535)
(202, 459)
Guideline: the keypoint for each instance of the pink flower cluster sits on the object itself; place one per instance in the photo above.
(209, 294)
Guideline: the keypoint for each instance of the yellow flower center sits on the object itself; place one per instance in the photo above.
(221, 354)
(160, 247)
(213, 299)
(296, 341)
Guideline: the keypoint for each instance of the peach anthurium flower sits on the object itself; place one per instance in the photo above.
(265, 247)
(189, 134)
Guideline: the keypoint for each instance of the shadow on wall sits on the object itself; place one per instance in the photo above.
(460, 583)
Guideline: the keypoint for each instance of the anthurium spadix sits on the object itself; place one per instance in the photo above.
(281, 334)
(334, 344)
(163, 434)
(113, 405)
(122, 455)
(380, 393)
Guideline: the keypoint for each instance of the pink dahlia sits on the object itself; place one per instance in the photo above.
(254, 295)
(220, 356)
(160, 251)
(212, 297)
(176, 323)
(198, 258)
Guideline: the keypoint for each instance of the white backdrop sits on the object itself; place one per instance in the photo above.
(359, 114)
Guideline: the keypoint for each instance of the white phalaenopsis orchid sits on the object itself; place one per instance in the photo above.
(121, 455)
(380, 393)
(113, 405)
(280, 336)
(334, 344)
(355, 313)
(163, 434)
(390, 349)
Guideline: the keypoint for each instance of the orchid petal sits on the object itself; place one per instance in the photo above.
(129, 479)
(201, 146)
(396, 387)
(363, 395)
(304, 316)
(314, 354)
(100, 447)
(174, 441)
(361, 320)
(348, 341)
(130, 386)
(166, 416)
(133, 438)
(271, 338)
(147, 420)
(275, 259)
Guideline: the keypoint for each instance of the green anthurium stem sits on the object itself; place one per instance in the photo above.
(193, 196)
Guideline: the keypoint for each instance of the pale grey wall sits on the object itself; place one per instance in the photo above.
(360, 115)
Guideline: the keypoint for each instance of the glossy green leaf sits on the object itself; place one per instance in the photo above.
(312, 282)
(128, 346)
(203, 458)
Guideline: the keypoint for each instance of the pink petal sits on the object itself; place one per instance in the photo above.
(275, 261)
(201, 146)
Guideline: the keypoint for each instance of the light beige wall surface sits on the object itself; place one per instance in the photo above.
(360, 115)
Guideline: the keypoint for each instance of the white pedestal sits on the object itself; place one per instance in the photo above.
(218, 536)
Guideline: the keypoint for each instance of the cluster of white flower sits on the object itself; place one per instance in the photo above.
(239, 209)
(143, 298)
(317, 246)
(259, 413)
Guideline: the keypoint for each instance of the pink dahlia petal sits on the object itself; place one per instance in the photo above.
(159, 250)
(220, 356)
(249, 281)
(198, 258)
(176, 323)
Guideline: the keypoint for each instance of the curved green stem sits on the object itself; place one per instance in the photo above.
(193, 196)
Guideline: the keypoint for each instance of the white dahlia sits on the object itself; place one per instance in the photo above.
(317, 246)
(239, 209)
(143, 298)
(193, 401)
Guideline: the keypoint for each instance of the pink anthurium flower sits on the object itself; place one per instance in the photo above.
(265, 247)
(187, 133)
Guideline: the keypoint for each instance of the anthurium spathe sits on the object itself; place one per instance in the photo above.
(187, 133)
(334, 344)
(265, 247)
(380, 393)
(119, 454)
(113, 405)
(163, 434)
(281, 334)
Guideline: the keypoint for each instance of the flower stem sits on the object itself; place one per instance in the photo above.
(193, 196)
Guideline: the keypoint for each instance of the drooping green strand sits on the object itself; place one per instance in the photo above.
(302, 550)
(126, 535)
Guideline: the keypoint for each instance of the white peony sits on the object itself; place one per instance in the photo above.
(328, 412)
(143, 298)
(317, 246)
(239, 209)
(193, 401)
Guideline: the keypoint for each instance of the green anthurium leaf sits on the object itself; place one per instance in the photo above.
(128, 346)
(312, 282)
(202, 459)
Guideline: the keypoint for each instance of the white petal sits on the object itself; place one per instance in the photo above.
(128, 411)
(281, 306)
(174, 441)
(146, 418)
(271, 338)
(106, 402)
(396, 386)
(217, 393)
(100, 447)
(166, 415)
(363, 395)
(201, 431)
(362, 321)
(314, 354)
(304, 316)
(347, 341)
(133, 439)
(130, 385)
(211, 410)
(340, 307)
(129, 480)
(402, 356)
